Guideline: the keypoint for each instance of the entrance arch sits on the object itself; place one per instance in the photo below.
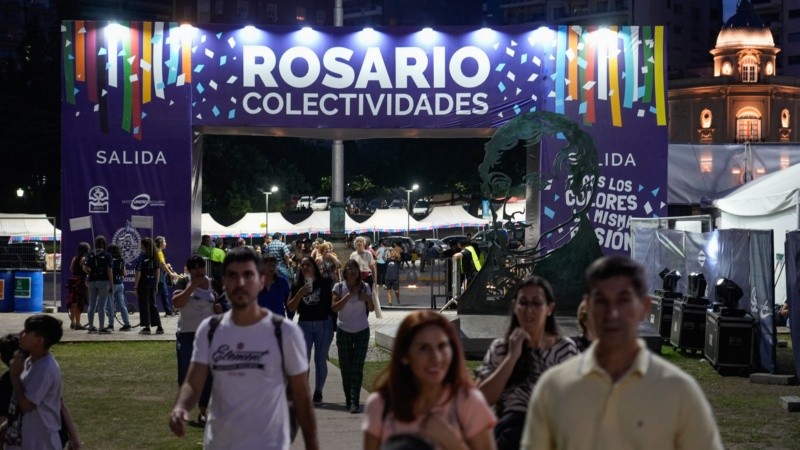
(137, 98)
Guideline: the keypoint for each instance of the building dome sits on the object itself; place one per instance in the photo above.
(744, 29)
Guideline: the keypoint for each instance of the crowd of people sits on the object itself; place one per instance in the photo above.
(240, 353)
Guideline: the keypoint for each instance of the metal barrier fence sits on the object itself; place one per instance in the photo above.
(31, 242)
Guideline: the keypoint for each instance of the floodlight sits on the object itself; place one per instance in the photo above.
(696, 285)
(728, 293)
(670, 279)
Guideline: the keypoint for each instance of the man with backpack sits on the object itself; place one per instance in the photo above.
(253, 354)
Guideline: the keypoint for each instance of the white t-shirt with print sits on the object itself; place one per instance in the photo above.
(248, 389)
(199, 306)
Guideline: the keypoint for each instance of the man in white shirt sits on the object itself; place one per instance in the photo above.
(248, 400)
(618, 395)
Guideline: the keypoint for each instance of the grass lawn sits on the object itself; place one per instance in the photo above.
(121, 393)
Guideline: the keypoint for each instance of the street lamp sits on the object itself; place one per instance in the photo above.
(271, 190)
(408, 206)
(20, 192)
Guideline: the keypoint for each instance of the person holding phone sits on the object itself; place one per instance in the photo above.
(311, 298)
(352, 300)
(195, 299)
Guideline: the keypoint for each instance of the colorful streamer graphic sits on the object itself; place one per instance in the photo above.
(125, 56)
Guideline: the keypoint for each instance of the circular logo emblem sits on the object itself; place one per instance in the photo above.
(129, 241)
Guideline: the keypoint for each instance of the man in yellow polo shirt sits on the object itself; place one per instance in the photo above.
(618, 395)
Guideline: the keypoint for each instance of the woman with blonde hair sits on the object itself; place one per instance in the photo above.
(426, 394)
(328, 262)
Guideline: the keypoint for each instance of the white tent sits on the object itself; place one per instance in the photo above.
(771, 202)
(391, 221)
(252, 225)
(453, 216)
(212, 228)
(28, 227)
(319, 222)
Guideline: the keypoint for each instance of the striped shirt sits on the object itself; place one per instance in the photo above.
(516, 395)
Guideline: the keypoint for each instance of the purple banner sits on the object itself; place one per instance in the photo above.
(126, 150)
(620, 101)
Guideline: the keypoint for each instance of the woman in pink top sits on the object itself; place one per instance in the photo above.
(426, 391)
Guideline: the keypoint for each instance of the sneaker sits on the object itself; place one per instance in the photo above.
(347, 405)
(355, 409)
(125, 328)
(79, 327)
(92, 330)
(159, 330)
(104, 331)
(317, 397)
(109, 328)
(201, 419)
(144, 331)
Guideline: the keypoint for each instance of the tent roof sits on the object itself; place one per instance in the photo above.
(769, 194)
(515, 210)
(319, 222)
(252, 225)
(28, 227)
(390, 220)
(213, 228)
(451, 217)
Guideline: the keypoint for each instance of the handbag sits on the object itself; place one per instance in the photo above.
(377, 303)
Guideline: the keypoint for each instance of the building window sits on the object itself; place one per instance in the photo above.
(272, 11)
(794, 60)
(677, 29)
(678, 9)
(794, 37)
(794, 13)
(748, 125)
(218, 7)
(705, 118)
(301, 14)
(749, 69)
(321, 17)
(602, 6)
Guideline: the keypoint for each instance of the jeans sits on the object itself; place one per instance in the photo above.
(184, 345)
(163, 295)
(117, 303)
(318, 333)
(98, 296)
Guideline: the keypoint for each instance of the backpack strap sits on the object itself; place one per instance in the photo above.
(278, 321)
(212, 327)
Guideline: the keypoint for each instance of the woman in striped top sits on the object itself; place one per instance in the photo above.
(513, 364)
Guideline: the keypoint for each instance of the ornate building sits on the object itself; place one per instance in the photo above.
(746, 100)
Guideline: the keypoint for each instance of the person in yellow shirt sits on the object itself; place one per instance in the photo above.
(626, 396)
(166, 271)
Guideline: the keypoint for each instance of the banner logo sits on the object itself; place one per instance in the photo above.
(98, 199)
(143, 200)
(129, 241)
